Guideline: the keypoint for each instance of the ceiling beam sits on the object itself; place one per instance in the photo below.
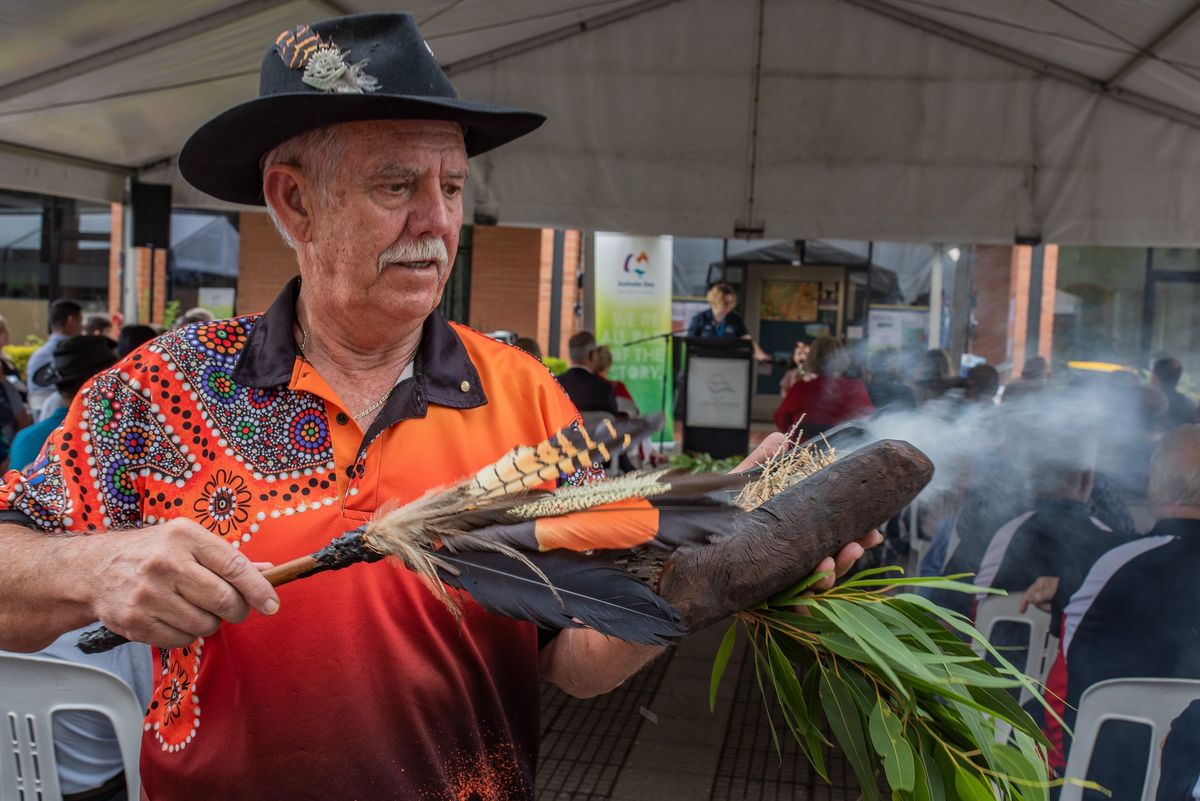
(1022, 59)
(136, 47)
(1169, 34)
(551, 37)
(65, 158)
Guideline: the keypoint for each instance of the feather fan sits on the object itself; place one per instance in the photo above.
(505, 537)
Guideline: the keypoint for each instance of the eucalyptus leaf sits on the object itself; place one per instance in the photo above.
(901, 694)
(721, 662)
(846, 724)
(887, 736)
(970, 787)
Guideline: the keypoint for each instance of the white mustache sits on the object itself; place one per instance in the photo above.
(427, 248)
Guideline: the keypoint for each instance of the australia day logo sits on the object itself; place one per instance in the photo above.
(637, 264)
(636, 276)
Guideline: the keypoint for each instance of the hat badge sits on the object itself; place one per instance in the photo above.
(325, 64)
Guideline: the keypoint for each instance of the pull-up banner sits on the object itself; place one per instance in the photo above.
(632, 285)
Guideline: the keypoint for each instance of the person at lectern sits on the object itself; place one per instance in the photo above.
(721, 321)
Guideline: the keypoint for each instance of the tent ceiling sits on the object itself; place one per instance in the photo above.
(1074, 120)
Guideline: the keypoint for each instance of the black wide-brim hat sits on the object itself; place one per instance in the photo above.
(347, 69)
(76, 359)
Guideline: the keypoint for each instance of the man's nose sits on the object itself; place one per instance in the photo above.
(430, 213)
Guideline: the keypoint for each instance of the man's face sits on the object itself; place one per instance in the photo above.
(399, 183)
(74, 325)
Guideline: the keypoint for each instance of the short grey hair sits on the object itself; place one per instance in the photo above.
(581, 346)
(318, 152)
(1175, 469)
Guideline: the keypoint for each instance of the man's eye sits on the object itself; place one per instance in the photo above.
(396, 187)
(452, 191)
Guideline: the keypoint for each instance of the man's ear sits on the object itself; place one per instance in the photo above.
(291, 194)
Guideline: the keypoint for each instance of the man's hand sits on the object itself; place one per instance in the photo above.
(838, 565)
(1040, 593)
(171, 583)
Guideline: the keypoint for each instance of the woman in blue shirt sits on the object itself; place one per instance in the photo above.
(721, 321)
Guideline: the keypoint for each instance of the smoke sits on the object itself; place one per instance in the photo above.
(1026, 444)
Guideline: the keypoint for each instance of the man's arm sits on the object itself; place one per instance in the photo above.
(165, 585)
(584, 663)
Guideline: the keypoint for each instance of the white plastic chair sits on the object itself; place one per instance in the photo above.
(32, 689)
(1043, 646)
(1151, 702)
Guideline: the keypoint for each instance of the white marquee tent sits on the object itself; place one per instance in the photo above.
(1069, 121)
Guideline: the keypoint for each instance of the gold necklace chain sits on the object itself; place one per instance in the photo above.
(373, 406)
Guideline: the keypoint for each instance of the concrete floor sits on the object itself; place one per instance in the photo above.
(654, 739)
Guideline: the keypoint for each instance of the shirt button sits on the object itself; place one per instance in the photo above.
(342, 418)
(465, 386)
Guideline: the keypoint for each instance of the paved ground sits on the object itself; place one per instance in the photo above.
(654, 739)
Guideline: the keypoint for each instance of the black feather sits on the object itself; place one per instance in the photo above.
(691, 521)
(591, 593)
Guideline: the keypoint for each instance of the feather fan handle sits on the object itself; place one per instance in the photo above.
(570, 449)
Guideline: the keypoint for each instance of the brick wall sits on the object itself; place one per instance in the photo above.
(264, 263)
(1001, 281)
(572, 256)
(1049, 285)
(151, 285)
(115, 241)
(506, 271)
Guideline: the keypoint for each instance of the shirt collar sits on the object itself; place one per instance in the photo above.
(1177, 527)
(442, 371)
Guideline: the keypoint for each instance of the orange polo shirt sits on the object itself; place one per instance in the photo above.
(362, 686)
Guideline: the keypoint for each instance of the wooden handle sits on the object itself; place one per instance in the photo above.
(782, 541)
(290, 571)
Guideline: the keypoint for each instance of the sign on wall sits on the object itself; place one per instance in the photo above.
(632, 286)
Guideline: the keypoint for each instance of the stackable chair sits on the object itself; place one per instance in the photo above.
(1151, 702)
(1042, 644)
(32, 689)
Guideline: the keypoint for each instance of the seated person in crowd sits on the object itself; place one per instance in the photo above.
(1058, 536)
(98, 325)
(66, 320)
(196, 314)
(798, 372)
(530, 346)
(133, 337)
(933, 375)
(76, 359)
(720, 321)
(587, 391)
(828, 398)
(885, 386)
(982, 383)
(1137, 614)
(1165, 375)
(625, 402)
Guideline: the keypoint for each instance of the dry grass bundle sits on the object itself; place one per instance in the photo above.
(786, 467)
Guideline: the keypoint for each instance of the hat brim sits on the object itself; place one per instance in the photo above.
(222, 157)
(46, 375)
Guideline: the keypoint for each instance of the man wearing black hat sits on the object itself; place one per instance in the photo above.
(75, 360)
(275, 432)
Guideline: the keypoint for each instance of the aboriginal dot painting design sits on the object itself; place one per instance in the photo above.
(42, 497)
(126, 439)
(271, 431)
(173, 717)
